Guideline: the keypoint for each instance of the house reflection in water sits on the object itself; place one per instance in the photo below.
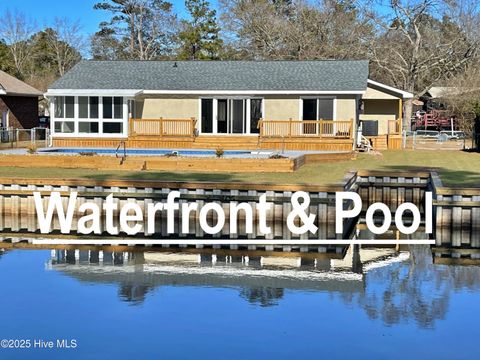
(262, 280)
(391, 286)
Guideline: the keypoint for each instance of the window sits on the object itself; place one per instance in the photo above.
(69, 107)
(88, 107)
(83, 107)
(112, 128)
(64, 107)
(118, 107)
(112, 107)
(59, 102)
(88, 127)
(107, 108)
(64, 127)
(93, 101)
(89, 115)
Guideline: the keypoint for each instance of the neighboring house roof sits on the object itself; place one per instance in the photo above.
(329, 76)
(390, 90)
(436, 92)
(10, 85)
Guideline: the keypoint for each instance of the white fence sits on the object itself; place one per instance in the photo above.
(435, 140)
(22, 138)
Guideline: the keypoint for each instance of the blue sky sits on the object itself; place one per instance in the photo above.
(82, 10)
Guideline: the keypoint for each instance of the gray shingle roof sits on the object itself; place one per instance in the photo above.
(328, 75)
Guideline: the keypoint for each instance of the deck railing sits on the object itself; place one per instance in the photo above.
(394, 127)
(163, 127)
(306, 128)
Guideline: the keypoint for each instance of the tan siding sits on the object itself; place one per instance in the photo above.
(281, 108)
(346, 108)
(373, 93)
(168, 107)
(381, 110)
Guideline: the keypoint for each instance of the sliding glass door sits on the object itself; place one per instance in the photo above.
(316, 109)
(237, 118)
(230, 115)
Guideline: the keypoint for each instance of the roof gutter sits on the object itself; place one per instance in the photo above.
(92, 92)
(132, 93)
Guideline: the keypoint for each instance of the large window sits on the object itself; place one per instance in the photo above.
(112, 107)
(88, 107)
(84, 115)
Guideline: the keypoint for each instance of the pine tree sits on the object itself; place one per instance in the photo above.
(200, 38)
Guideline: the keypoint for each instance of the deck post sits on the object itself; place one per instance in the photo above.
(290, 127)
(192, 127)
(161, 127)
(351, 128)
(130, 127)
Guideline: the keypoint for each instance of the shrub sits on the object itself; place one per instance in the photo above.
(32, 149)
(171, 154)
(277, 156)
(219, 152)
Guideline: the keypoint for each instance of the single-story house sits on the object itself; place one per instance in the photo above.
(18, 103)
(302, 105)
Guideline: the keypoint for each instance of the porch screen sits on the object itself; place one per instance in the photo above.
(207, 116)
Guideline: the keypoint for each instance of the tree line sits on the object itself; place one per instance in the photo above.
(411, 44)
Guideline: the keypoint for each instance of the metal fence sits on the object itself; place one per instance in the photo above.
(22, 138)
(435, 140)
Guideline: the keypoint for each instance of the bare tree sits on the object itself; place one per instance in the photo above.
(419, 43)
(462, 97)
(16, 30)
(66, 43)
(297, 30)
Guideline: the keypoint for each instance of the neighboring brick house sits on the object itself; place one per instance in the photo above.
(18, 103)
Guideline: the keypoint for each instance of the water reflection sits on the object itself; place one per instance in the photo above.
(391, 286)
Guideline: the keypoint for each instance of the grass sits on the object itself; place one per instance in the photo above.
(456, 169)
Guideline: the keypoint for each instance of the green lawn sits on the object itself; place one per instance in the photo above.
(456, 168)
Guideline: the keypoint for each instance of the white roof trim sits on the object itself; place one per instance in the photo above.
(246, 92)
(131, 92)
(3, 92)
(92, 92)
(404, 94)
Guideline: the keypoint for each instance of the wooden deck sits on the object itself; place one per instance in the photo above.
(227, 142)
(325, 135)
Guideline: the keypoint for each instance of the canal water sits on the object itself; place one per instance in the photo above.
(371, 302)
